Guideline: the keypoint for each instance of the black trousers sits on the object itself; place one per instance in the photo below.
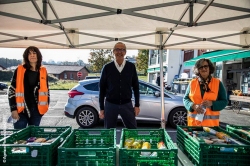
(126, 111)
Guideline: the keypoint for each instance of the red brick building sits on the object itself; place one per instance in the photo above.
(67, 72)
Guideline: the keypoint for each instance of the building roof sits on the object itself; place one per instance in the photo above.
(58, 69)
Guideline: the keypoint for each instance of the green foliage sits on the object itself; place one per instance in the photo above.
(98, 58)
(5, 75)
(5, 62)
(62, 85)
(142, 61)
(144, 78)
(52, 78)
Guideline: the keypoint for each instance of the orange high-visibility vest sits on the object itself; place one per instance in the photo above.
(42, 92)
(211, 118)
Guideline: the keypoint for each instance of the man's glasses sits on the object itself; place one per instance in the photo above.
(119, 50)
(205, 67)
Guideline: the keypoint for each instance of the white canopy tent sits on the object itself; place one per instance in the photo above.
(140, 24)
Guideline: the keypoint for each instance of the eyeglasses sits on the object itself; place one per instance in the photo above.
(205, 67)
(119, 50)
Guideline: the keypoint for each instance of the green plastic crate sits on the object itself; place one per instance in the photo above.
(201, 153)
(7, 132)
(236, 130)
(132, 157)
(35, 155)
(90, 147)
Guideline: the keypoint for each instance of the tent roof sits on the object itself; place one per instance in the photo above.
(185, 24)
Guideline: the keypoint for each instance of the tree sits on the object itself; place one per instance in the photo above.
(142, 61)
(98, 58)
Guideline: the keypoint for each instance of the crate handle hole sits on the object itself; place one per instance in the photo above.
(143, 133)
(94, 132)
(52, 130)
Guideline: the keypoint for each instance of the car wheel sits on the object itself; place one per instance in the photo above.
(178, 116)
(86, 117)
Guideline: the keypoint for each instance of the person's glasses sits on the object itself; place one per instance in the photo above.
(120, 50)
(205, 67)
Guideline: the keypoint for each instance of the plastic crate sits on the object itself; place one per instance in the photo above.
(133, 157)
(6, 132)
(88, 147)
(33, 155)
(237, 130)
(201, 153)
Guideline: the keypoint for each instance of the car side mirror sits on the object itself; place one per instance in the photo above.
(157, 94)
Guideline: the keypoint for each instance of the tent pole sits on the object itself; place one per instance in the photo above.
(161, 82)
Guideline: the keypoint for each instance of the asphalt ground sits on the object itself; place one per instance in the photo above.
(55, 116)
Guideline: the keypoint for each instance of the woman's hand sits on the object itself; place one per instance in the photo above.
(14, 115)
(198, 108)
(207, 103)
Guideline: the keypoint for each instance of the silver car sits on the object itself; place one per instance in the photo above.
(83, 104)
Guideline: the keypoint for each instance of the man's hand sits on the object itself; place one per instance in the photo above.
(101, 114)
(14, 115)
(137, 110)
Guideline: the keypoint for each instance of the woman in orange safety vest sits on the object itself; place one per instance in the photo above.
(205, 96)
(29, 91)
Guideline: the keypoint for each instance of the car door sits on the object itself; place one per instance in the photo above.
(150, 105)
(95, 95)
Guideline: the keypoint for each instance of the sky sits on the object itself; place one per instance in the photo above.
(70, 55)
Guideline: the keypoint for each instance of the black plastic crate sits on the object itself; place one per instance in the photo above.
(133, 157)
(44, 154)
(88, 147)
(201, 153)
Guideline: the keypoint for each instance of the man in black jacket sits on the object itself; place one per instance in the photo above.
(116, 80)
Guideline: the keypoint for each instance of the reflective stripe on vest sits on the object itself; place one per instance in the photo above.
(43, 103)
(43, 93)
(20, 104)
(19, 94)
(206, 116)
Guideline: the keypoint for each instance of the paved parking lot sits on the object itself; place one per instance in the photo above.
(55, 116)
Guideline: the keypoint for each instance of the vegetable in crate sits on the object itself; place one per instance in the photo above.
(129, 142)
(161, 145)
(137, 144)
(146, 145)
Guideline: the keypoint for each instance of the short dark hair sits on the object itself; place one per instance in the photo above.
(26, 62)
(198, 64)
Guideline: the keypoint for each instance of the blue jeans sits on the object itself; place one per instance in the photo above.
(34, 119)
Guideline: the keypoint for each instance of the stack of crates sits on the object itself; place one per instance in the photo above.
(201, 153)
(88, 147)
(157, 157)
(38, 154)
(242, 131)
(6, 132)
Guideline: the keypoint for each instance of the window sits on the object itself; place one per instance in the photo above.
(65, 76)
(93, 86)
(71, 76)
(146, 90)
(188, 54)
